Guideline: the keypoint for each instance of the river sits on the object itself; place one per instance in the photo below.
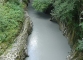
(46, 41)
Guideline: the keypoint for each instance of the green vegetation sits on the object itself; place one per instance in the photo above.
(80, 45)
(10, 17)
(18, 2)
(13, 1)
(63, 9)
(41, 5)
(11, 20)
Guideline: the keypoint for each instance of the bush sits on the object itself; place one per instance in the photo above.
(11, 20)
(63, 9)
(13, 1)
(80, 45)
(11, 16)
(41, 5)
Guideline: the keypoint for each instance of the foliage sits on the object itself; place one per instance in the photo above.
(80, 45)
(26, 1)
(63, 9)
(11, 19)
(16, 1)
(11, 16)
(41, 5)
(13, 1)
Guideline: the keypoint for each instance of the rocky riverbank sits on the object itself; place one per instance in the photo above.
(70, 35)
(18, 49)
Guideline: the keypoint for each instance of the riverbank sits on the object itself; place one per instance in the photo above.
(17, 50)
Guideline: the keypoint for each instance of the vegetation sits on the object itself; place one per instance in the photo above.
(80, 45)
(41, 5)
(13, 1)
(63, 9)
(11, 19)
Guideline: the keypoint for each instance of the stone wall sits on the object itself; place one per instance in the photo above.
(18, 50)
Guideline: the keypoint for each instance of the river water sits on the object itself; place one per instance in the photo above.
(46, 41)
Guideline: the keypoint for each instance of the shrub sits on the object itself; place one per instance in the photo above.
(63, 9)
(13, 1)
(80, 45)
(41, 5)
(11, 16)
(11, 19)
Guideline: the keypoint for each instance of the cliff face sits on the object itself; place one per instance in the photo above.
(18, 50)
(70, 35)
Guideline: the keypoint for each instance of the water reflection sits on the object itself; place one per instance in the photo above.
(34, 41)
